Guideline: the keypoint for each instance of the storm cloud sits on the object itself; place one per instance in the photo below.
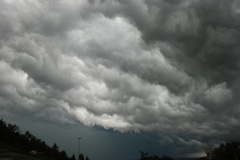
(164, 66)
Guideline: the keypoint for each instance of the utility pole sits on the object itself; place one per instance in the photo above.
(79, 147)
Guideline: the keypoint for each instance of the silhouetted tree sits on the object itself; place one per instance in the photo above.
(73, 157)
(13, 128)
(166, 158)
(62, 155)
(54, 150)
(230, 150)
(81, 157)
(3, 131)
(145, 156)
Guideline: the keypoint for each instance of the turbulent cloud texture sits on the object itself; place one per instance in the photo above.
(141, 65)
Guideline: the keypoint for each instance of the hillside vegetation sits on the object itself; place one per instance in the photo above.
(25, 146)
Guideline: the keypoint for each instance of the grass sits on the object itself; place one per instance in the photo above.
(18, 156)
(9, 152)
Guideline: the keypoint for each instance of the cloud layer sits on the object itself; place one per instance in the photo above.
(131, 66)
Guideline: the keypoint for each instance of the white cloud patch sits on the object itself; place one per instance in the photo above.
(218, 95)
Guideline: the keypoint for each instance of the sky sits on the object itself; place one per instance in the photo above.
(161, 76)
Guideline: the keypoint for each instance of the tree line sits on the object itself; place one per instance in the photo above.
(227, 151)
(146, 156)
(27, 142)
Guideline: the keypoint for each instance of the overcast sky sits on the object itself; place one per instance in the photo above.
(158, 75)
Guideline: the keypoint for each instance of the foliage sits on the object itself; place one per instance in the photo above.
(81, 157)
(26, 142)
(146, 156)
(230, 151)
(73, 157)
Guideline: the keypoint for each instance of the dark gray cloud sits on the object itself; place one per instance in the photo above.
(131, 66)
